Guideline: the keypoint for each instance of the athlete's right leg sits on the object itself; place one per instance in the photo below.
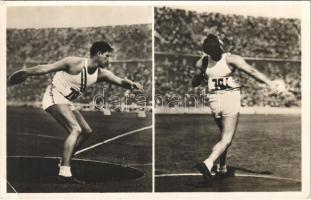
(229, 124)
(222, 159)
(64, 115)
(86, 130)
(227, 128)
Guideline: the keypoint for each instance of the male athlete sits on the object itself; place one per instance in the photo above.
(73, 75)
(224, 97)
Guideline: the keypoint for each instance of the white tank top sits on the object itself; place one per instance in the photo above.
(220, 76)
(72, 86)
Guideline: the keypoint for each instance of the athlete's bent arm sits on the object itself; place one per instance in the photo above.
(108, 76)
(240, 63)
(199, 75)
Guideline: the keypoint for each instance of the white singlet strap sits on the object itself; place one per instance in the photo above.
(84, 76)
(85, 63)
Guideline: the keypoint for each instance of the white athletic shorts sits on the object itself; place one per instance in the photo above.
(52, 96)
(225, 103)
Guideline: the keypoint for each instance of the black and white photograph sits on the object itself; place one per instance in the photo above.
(155, 100)
(79, 96)
(228, 98)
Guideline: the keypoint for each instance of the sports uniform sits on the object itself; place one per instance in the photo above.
(223, 90)
(65, 87)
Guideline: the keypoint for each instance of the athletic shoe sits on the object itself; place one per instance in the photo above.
(70, 180)
(222, 169)
(221, 174)
(207, 176)
(214, 169)
(59, 163)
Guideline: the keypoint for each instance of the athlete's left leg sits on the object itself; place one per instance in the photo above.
(86, 130)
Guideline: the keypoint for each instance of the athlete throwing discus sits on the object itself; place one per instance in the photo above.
(224, 97)
(73, 76)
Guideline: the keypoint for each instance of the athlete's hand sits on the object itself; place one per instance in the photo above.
(277, 87)
(17, 77)
(137, 87)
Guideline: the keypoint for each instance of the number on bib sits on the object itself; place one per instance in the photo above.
(73, 95)
(221, 83)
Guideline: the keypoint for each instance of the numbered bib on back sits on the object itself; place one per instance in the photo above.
(72, 93)
(221, 83)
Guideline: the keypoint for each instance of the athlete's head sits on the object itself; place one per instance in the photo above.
(213, 47)
(101, 52)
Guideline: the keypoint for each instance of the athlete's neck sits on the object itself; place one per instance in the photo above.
(211, 62)
(91, 66)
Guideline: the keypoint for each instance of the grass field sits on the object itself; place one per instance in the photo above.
(262, 143)
(33, 133)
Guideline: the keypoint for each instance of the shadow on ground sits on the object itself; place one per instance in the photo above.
(27, 171)
(237, 180)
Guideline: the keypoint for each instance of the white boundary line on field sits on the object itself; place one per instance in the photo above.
(40, 135)
(79, 159)
(134, 165)
(57, 158)
(140, 164)
(112, 139)
(237, 175)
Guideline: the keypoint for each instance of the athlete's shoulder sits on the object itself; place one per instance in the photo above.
(74, 59)
(232, 58)
(74, 63)
(203, 60)
(227, 55)
(104, 71)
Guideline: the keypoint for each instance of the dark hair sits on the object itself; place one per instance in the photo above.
(213, 47)
(101, 47)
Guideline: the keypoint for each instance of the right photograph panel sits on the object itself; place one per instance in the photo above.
(227, 98)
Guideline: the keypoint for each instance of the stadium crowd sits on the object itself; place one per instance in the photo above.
(250, 36)
(179, 35)
(177, 32)
(28, 47)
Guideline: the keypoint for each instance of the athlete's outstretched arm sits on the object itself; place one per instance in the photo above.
(239, 63)
(47, 68)
(108, 76)
(21, 75)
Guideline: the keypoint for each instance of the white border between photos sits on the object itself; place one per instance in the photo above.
(2, 99)
(153, 110)
(305, 21)
(305, 110)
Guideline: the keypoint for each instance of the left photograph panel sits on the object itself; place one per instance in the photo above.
(79, 99)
